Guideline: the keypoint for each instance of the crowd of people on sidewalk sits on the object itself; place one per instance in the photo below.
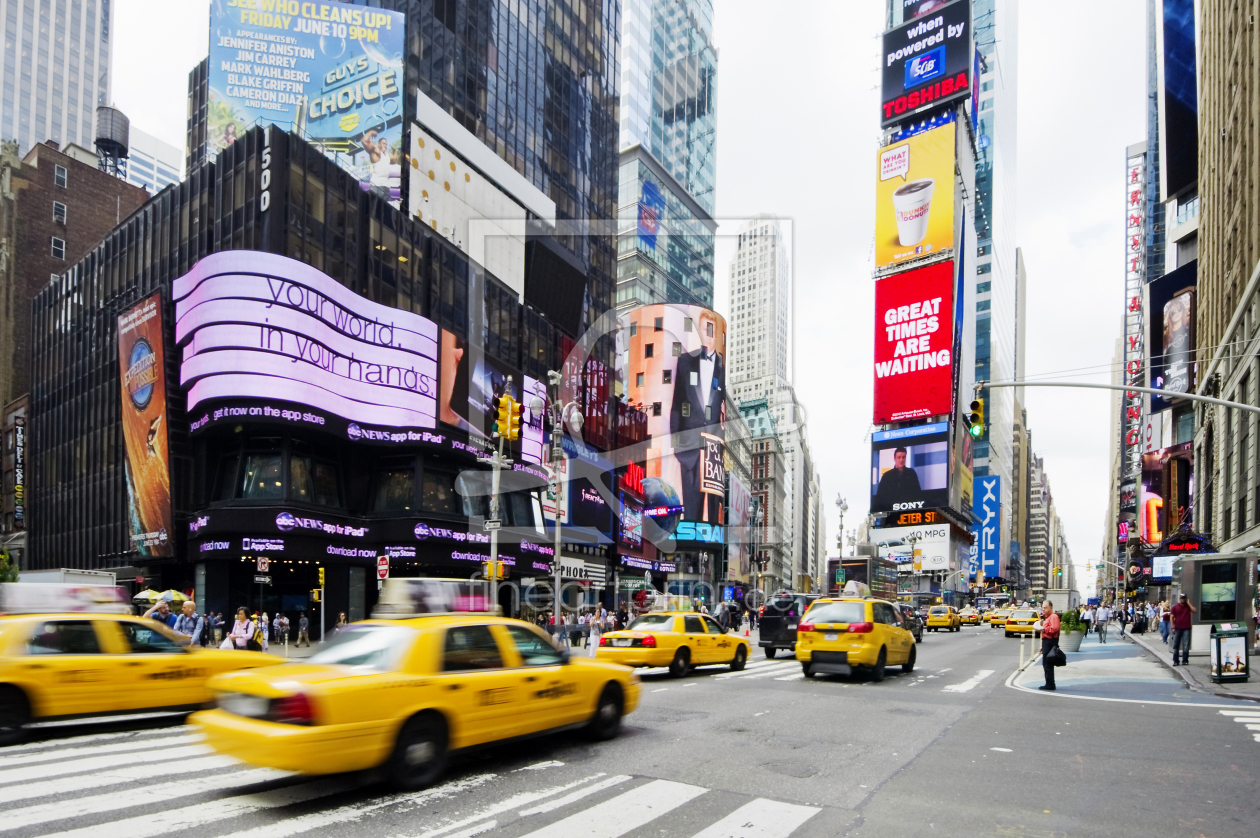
(256, 631)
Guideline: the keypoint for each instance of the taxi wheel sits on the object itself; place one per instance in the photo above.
(420, 753)
(877, 671)
(606, 723)
(806, 670)
(741, 657)
(681, 663)
(771, 651)
(1008, 634)
(908, 666)
(14, 714)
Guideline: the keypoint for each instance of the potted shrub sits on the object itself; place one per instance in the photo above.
(1071, 631)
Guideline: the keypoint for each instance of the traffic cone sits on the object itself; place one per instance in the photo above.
(745, 631)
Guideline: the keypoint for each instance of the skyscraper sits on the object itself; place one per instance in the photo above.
(761, 297)
(152, 163)
(54, 69)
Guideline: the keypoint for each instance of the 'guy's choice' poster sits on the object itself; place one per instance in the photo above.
(331, 72)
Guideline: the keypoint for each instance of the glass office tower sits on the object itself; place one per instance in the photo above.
(54, 70)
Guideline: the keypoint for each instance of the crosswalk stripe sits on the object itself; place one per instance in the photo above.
(552, 805)
(516, 800)
(101, 779)
(760, 818)
(623, 813)
(53, 744)
(768, 673)
(109, 802)
(355, 811)
(84, 766)
(770, 669)
(116, 748)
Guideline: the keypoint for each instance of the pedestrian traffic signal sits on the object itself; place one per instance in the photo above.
(976, 419)
(315, 595)
(494, 570)
(515, 409)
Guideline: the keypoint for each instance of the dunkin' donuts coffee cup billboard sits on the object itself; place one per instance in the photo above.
(141, 369)
(914, 198)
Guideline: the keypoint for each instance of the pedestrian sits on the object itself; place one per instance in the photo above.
(623, 618)
(341, 621)
(1181, 617)
(1087, 617)
(1101, 617)
(1049, 642)
(189, 625)
(596, 631)
(1125, 616)
(1165, 620)
(161, 611)
(304, 627)
(242, 633)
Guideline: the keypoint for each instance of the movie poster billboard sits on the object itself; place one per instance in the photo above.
(926, 61)
(142, 373)
(331, 72)
(672, 359)
(1171, 315)
(914, 197)
(910, 468)
(914, 341)
(738, 537)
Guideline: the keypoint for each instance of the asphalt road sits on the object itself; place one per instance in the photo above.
(961, 746)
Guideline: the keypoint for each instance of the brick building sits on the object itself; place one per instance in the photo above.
(55, 206)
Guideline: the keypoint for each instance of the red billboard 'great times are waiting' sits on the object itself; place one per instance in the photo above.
(914, 341)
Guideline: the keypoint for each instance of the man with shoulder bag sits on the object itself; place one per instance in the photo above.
(1049, 644)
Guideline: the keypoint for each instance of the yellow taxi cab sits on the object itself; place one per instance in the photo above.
(840, 635)
(969, 617)
(70, 651)
(1022, 621)
(998, 617)
(943, 617)
(436, 670)
(681, 640)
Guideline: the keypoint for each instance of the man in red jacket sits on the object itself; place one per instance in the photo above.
(1049, 642)
(1181, 629)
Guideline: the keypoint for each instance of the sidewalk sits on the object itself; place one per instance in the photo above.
(1196, 673)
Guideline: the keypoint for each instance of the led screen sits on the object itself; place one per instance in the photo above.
(910, 468)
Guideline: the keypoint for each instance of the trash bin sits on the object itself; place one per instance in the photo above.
(1231, 658)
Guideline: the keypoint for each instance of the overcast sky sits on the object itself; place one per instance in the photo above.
(797, 133)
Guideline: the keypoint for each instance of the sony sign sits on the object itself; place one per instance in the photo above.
(254, 325)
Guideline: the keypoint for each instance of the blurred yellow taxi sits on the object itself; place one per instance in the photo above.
(840, 635)
(436, 672)
(681, 640)
(1021, 621)
(943, 617)
(81, 662)
(998, 617)
(969, 617)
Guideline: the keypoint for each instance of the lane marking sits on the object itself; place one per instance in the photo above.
(1002, 750)
(132, 773)
(552, 805)
(539, 766)
(970, 684)
(623, 813)
(760, 818)
(87, 766)
(116, 748)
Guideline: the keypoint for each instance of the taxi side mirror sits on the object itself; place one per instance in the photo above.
(564, 656)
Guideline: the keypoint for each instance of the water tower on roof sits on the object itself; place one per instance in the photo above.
(113, 131)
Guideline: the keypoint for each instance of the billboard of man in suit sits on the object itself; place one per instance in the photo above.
(695, 420)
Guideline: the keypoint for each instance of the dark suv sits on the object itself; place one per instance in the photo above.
(910, 620)
(777, 624)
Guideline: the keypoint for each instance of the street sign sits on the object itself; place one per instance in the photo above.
(382, 567)
(264, 564)
(492, 524)
(262, 580)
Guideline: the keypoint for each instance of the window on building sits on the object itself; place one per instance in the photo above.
(58, 248)
(59, 212)
(438, 491)
(59, 176)
(394, 487)
(659, 324)
(656, 408)
(313, 481)
(638, 380)
(264, 476)
(649, 350)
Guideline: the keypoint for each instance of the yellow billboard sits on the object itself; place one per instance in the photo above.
(914, 197)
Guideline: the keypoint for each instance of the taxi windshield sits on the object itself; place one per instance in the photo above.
(837, 612)
(373, 647)
(940, 609)
(652, 621)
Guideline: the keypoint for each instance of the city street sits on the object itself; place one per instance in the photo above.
(762, 752)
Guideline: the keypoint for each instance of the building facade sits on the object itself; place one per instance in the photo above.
(54, 70)
(761, 305)
(769, 494)
(152, 163)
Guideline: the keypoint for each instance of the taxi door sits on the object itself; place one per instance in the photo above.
(699, 639)
(551, 690)
(155, 671)
(476, 683)
(65, 664)
(723, 643)
(896, 639)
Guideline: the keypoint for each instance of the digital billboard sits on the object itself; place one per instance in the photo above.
(672, 360)
(926, 61)
(921, 549)
(469, 383)
(651, 208)
(1178, 99)
(987, 510)
(142, 374)
(1171, 328)
(331, 72)
(740, 540)
(914, 197)
(914, 341)
(910, 468)
(260, 327)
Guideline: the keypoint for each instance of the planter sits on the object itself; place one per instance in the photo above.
(1070, 641)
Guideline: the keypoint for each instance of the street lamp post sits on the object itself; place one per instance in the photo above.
(843, 506)
(756, 556)
(559, 415)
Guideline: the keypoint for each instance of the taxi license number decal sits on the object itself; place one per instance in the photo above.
(82, 676)
(177, 674)
(557, 691)
(495, 696)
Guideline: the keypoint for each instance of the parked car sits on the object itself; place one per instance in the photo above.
(910, 619)
(778, 620)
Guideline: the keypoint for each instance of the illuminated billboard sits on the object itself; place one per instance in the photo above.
(672, 361)
(927, 61)
(914, 197)
(914, 340)
(1171, 311)
(331, 72)
(259, 327)
(910, 468)
(142, 374)
(919, 549)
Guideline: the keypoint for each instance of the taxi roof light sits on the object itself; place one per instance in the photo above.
(404, 598)
(293, 709)
(63, 598)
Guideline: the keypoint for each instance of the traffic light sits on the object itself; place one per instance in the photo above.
(503, 409)
(321, 577)
(515, 409)
(315, 595)
(976, 419)
(490, 573)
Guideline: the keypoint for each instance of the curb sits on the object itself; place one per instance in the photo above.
(1191, 682)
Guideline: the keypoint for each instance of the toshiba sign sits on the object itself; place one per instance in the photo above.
(927, 62)
(914, 342)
